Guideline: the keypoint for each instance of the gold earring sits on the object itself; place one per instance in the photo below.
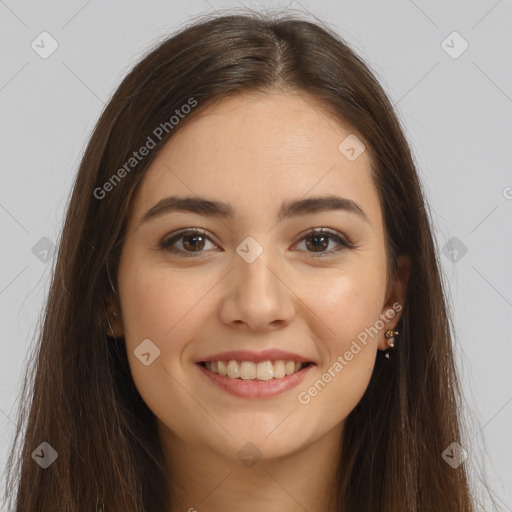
(390, 335)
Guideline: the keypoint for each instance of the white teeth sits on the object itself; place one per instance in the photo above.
(233, 370)
(248, 370)
(265, 370)
(222, 368)
(279, 370)
(290, 367)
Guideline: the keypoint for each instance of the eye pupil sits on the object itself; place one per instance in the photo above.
(195, 238)
(323, 244)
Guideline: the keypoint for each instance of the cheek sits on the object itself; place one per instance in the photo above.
(350, 307)
(159, 303)
(161, 306)
(168, 307)
(349, 302)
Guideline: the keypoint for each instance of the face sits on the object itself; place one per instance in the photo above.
(255, 281)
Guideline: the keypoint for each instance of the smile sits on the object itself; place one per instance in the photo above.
(248, 379)
(248, 370)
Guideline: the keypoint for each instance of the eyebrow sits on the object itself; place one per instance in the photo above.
(218, 209)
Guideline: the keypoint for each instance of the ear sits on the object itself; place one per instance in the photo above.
(394, 304)
(114, 324)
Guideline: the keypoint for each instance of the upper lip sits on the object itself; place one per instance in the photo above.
(256, 357)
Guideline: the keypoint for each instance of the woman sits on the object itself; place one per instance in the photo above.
(246, 311)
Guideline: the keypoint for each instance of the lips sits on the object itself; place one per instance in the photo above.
(255, 388)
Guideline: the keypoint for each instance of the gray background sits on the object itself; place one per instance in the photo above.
(457, 117)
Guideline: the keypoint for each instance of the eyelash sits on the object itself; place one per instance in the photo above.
(167, 244)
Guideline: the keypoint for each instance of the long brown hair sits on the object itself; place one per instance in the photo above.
(80, 396)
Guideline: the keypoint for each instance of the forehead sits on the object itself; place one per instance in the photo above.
(256, 151)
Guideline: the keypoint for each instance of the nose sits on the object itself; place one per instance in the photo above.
(257, 296)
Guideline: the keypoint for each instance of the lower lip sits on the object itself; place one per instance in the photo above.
(256, 388)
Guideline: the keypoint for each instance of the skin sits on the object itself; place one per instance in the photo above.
(254, 151)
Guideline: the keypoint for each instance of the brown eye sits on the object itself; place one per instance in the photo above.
(317, 241)
(192, 241)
